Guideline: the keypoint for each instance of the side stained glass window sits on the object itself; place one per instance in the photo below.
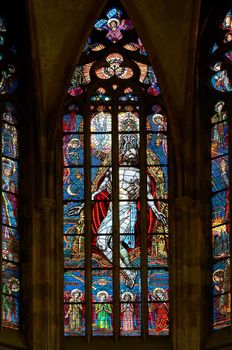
(10, 275)
(115, 188)
(220, 80)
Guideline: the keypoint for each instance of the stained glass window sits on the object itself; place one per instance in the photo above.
(115, 188)
(10, 276)
(220, 80)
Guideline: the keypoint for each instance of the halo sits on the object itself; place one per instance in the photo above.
(156, 290)
(76, 140)
(157, 118)
(219, 270)
(102, 292)
(220, 103)
(8, 163)
(127, 293)
(76, 291)
(113, 20)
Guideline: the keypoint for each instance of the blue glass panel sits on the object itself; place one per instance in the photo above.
(220, 208)
(157, 285)
(102, 286)
(73, 180)
(221, 82)
(101, 97)
(74, 218)
(74, 251)
(73, 151)
(9, 140)
(157, 149)
(220, 173)
(10, 175)
(74, 286)
(128, 98)
(130, 282)
(213, 48)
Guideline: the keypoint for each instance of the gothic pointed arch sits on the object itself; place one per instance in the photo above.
(115, 188)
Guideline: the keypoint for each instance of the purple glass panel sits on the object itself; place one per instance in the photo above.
(130, 317)
(9, 209)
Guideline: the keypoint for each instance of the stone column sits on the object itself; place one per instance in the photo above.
(46, 315)
(186, 274)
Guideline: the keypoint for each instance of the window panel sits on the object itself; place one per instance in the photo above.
(115, 175)
(220, 163)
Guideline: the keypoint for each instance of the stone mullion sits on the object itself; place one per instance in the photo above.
(116, 226)
(143, 227)
(88, 220)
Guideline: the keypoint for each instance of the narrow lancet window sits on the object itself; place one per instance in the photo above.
(115, 188)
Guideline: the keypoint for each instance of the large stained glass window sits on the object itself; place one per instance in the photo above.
(115, 188)
(220, 115)
(9, 181)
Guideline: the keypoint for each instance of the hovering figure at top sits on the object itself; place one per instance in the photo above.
(114, 25)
